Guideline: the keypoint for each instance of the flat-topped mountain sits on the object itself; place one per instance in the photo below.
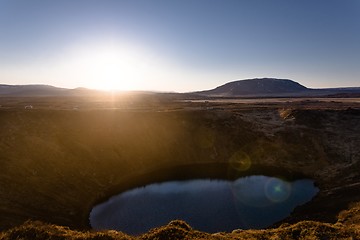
(257, 87)
(273, 87)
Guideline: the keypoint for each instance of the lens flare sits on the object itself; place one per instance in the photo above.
(240, 161)
(250, 191)
(277, 190)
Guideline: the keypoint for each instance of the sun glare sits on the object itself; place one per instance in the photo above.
(111, 68)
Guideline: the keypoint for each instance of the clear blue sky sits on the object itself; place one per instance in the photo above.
(178, 45)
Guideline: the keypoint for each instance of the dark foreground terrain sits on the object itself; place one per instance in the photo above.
(177, 229)
(60, 157)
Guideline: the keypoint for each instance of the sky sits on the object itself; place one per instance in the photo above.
(178, 45)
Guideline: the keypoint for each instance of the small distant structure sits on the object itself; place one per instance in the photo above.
(29, 107)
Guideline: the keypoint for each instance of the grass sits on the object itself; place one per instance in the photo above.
(178, 229)
(347, 227)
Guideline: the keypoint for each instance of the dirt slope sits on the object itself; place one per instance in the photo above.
(56, 164)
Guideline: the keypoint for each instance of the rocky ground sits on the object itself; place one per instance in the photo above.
(57, 162)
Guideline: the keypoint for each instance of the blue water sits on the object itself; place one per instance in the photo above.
(207, 205)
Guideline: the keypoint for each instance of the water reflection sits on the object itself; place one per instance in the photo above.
(207, 205)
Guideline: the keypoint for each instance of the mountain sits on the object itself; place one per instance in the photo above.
(257, 87)
(273, 87)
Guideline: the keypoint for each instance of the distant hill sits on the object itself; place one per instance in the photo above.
(273, 87)
(29, 90)
(41, 91)
(258, 87)
(33, 90)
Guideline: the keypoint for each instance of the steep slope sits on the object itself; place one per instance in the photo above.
(57, 164)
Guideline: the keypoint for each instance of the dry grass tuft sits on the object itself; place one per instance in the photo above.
(181, 230)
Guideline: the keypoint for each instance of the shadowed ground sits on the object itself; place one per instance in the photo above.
(56, 163)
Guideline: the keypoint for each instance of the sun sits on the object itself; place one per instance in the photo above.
(111, 67)
(111, 70)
